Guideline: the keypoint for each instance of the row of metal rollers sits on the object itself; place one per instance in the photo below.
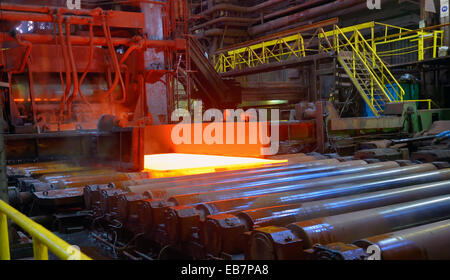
(285, 212)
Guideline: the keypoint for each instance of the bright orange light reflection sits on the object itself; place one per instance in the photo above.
(196, 164)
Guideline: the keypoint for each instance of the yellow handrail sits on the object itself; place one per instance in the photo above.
(234, 58)
(371, 71)
(429, 101)
(383, 65)
(43, 239)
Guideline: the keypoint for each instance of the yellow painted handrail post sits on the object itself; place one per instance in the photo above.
(435, 46)
(354, 57)
(40, 251)
(338, 45)
(420, 46)
(320, 43)
(374, 48)
(303, 45)
(336, 48)
(4, 239)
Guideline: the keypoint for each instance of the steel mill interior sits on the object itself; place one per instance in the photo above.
(225, 130)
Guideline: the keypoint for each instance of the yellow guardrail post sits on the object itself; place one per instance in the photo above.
(420, 46)
(43, 239)
(435, 43)
(354, 58)
(40, 251)
(4, 240)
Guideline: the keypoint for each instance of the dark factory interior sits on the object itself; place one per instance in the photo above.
(200, 130)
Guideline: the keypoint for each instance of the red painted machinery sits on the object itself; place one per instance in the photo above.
(62, 69)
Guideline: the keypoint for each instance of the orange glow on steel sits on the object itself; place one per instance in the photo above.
(37, 99)
(167, 162)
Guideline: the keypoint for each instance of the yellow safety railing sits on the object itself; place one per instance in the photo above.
(360, 59)
(429, 102)
(358, 47)
(43, 239)
(262, 53)
(416, 41)
(388, 44)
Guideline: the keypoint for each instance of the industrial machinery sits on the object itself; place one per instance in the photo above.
(91, 94)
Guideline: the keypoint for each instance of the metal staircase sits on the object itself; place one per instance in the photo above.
(368, 73)
(362, 80)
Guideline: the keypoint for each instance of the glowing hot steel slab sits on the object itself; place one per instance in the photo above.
(190, 163)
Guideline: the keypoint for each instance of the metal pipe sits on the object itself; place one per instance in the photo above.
(159, 206)
(247, 20)
(117, 71)
(187, 194)
(177, 224)
(225, 183)
(294, 8)
(39, 17)
(240, 9)
(185, 219)
(304, 15)
(345, 227)
(224, 237)
(427, 242)
(231, 21)
(180, 220)
(82, 180)
(85, 40)
(47, 10)
(322, 192)
(67, 67)
(50, 176)
(24, 8)
(74, 71)
(88, 66)
(189, 179)
(26, 56)
(302, 182)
